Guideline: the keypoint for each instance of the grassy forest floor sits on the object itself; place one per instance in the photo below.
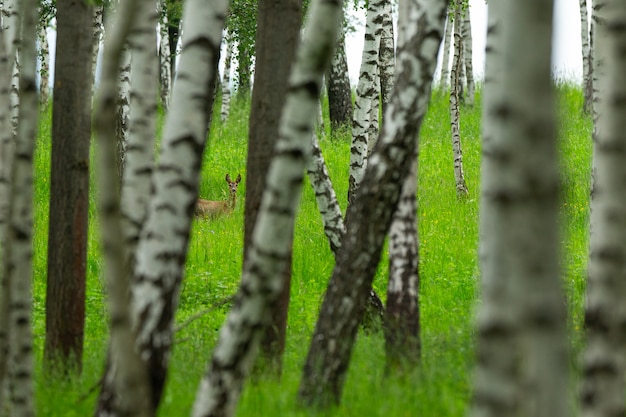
(449, 276)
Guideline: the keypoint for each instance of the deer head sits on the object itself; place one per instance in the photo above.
(212, 209)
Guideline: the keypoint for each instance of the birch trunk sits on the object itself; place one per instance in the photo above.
(165, 71)
(123, 108)
(586, 52)
(164, 240)
(386, 56)
(455, 116)
(522, 362)
(98, 29)
(467, 56)
(126, 372)
(20, 252)
(365, 93)
(604, 361)
(369, 217)
(44, 66)
(226, 93)
(139, 161)
(261, 282)
(445, 62)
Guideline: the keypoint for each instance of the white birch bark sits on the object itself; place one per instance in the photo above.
(357, 260)
(261, 282)
(445, 61)
(164, 57)
(373, 123)
(44, 66)
(386, 57)
(126, 372)
(365, 92)
(139, 161)
(20, 252)
(161, 251)
(226, 81)
(522, 362)
(123, 107)
(604, 360)
(468, 59)
(326, 198)
(98, 29)
(586, 53)
(455, 116)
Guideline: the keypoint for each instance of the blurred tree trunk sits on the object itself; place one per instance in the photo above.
(522, 360)
(586, 53)
(226, 90)
(338, 87)
(125, 372)
(445, 63)
(20, 247)
(369, 217)
(98, 30)
(455, 115)
(69, 186)
(604, 361)
(262, 279)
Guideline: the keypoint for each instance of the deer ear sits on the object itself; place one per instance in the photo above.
(227, 177)
(238, 178)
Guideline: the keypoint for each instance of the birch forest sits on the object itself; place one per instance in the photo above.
(227, 208)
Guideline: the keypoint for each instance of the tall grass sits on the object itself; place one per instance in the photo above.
(449, 273)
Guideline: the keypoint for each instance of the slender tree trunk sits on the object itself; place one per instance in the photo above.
(98, 30)
(226, 93)
(522, 362)
(374, 115)
(386, 56)
(69, 186)
(165, 71)
(126, 372)
(604, 361)
(445, 62)
(173, 30)
(44, 66)
(586, 52)
(20, 253)
(467, 55)
(369, 217)
(338, 87)
(262, 278)
(365, 92)
(123, 109)
(455, 116)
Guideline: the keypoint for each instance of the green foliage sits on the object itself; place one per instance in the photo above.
(449, 273)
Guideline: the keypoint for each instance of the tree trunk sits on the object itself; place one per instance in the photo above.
(226, 81)
(126, 372)
(386, 56)
(69, 186)
(44, 67)
(522, 362)
(467, 57)
(445, 62)
(369, 217)
(278, 33)
(173, 30)
(20, 252)
(586, 52)
(262, 279)
(455, 116)
(365, 92)
(98, 30)
(165, 69)
(338, 86)
(604, 361)
(123, 109)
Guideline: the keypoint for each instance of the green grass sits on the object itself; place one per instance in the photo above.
(449, 274)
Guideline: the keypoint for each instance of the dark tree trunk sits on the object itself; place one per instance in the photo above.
(278, 31)
(339, 92)
(69, 185)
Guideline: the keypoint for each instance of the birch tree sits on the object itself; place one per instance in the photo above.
(604, 362)
(98, 30)
(165, 68)
(386, 56)
(261, 282)
(586, 53)
(466, 34)
(20, 247)
(69, 187)
(522, 362)
(445, 61)
(226, 93)
(127, 373)
(44, 66)
(123, 108)
(338, 86)
(365, 92)
(369, 217)
(455, 115)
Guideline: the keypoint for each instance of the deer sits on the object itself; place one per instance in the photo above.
(213, 209)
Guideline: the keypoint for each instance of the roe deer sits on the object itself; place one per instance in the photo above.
(206, 208)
